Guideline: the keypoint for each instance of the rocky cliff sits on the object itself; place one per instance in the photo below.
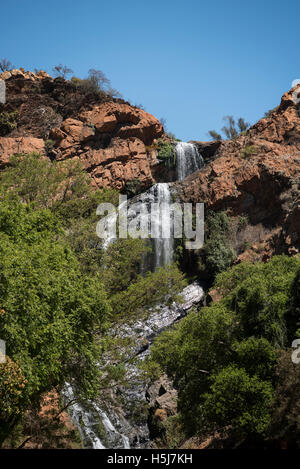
(256, 176)
(57, 118)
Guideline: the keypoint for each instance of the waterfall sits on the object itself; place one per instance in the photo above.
(123, 423)
(188, 160)
(150, 213)
(164, 241)
(122, 415)
(158, 200)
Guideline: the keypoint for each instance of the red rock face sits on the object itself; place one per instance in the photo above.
(12, 146)
(257, 175)
(110, 137)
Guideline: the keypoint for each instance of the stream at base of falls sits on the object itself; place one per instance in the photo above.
(120, 421)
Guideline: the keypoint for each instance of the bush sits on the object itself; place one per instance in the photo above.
(166, 153)
(223, 360)
(248, 151)
(217, 254)
(232, 129)
(62, 71)
(239, 399)
(50, 309)
(7, 122)
(132, 187)
(36, 179)
(96, 83)
(49, 145)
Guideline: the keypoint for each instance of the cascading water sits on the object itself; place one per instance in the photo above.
(159, 226)
(188, 160)
(123, 422)
(163, 244)
(149, 213)
(123, 425)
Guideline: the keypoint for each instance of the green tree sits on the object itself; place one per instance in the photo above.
(223, 358)
(51, 310)
(33, 178)
(239, 399)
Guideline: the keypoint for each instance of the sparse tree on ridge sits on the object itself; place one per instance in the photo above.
(232, 129)
(214, 135)
(5, 65)
(62, 71)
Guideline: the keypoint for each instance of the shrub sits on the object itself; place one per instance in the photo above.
(217, 253)
(166, 152)
(232, 129)
(248, 151)
(49, 145)
(7, 122)
(50, 308)
(96, 83)
(132, 187)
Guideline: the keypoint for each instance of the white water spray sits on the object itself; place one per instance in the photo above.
(188, 159)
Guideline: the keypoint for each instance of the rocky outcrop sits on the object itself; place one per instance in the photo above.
(208, 150)
(257, 175)
(112, 138)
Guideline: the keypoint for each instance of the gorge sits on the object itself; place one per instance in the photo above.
(93, 313)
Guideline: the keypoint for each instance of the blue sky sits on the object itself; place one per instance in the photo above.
(190, 62)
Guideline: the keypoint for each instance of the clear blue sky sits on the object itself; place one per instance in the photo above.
(189, 61)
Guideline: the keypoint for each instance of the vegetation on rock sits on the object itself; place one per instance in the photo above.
(226, 359)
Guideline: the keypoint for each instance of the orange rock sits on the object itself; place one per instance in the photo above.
(12, 146)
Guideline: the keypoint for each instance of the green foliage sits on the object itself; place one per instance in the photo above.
(242, 222)
(49, 145)
(239, 399)
(132, 187)
(262, 295)
(7, 122)
(35, 179)
(121, 263)
(248, 151)
(217, 254)
(96, 83)
(51, 310)
(232, 129)
(59, 290)
(285, 423)
(166, 152)
(12, 385)
(223, 359)
(161, 286)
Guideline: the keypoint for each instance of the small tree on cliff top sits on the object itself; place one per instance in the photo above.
(5, 65)
(62, 71)
(231, 129)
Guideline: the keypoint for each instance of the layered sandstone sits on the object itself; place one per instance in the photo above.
(111, 137)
